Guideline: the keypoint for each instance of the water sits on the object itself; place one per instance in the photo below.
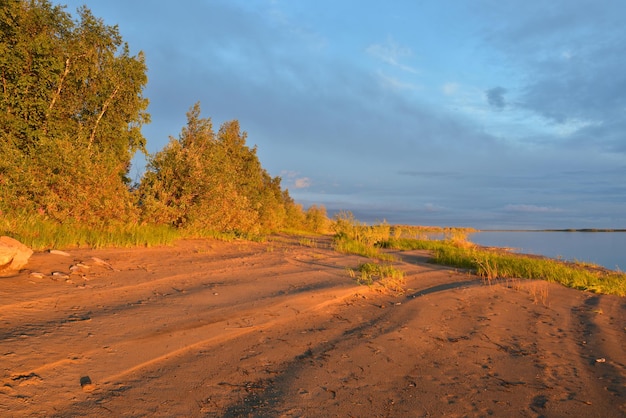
(607, 249)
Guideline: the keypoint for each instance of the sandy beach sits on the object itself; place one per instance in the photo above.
(207, 328)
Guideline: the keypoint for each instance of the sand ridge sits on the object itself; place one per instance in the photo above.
(208, 328)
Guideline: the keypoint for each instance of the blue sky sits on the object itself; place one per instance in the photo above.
(483, 113)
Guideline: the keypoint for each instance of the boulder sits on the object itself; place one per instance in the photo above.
(13, 255)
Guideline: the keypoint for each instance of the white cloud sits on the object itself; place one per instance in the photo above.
(289, 174)
(302, 183)
(392, 53)
(450, 88)
(531, 209)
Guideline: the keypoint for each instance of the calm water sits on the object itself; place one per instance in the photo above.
(607, 249)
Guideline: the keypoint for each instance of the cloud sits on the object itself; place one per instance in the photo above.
(495, 97)
(396, 84)
(450, 88)
(302, 183)
(569, 61)
(531, 209)
(431, 174)
(304, 90)
(392, 54)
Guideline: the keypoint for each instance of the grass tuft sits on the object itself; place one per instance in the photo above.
(494, 264)
(384, 275)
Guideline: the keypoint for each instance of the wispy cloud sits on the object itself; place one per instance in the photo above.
(382, 124)
(430, 174)
(392, 54)
(395, 83)
(450, 89)
(531, 209)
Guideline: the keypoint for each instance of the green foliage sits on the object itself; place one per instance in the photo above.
(213, 182)
(71, 110)
(346, 225)
(316, 219)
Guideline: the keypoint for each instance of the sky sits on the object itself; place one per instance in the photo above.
(482, 113)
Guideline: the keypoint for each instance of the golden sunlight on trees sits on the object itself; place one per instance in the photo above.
(208, 181)
(71, 110)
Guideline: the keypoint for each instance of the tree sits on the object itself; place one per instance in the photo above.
(71, 111)
(207, 181)
(317, 219)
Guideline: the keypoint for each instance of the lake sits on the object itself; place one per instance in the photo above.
(607, 249)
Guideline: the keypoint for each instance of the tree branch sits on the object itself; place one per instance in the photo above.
(104, 109)
(58, 92)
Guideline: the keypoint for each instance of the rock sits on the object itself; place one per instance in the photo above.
(13, 255)
(87, 384)
(59, 275)
(37, 275)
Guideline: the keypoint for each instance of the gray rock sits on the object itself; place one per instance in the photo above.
(13, 255)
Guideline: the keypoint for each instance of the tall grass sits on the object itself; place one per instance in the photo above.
(354, 237)
(493, 264)
(346, 245)
(429, 232)
(41, 234)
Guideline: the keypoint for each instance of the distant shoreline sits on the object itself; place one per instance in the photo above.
(553, 230)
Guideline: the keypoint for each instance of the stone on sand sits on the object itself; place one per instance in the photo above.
(13, 255)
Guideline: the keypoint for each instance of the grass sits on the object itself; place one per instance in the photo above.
(346, 245)
(351, 237)
(308, 242)
(493, 264)
(384, 275)
(41, 234)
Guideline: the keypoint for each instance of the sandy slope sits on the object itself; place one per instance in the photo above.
(207, 328)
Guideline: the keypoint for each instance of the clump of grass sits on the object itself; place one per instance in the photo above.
(408, 244)
(354, 237)
(346, 226)
(384, 275)
(429, 232)
(496, 264)
(308, 242)
(490, 264)
(455, 250)
(348, 246)
(40, 234)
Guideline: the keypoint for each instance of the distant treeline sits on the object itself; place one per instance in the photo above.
(71, 113)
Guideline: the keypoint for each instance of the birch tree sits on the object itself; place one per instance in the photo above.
(71, 111)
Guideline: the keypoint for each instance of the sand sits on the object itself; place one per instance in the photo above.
(278, 329)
